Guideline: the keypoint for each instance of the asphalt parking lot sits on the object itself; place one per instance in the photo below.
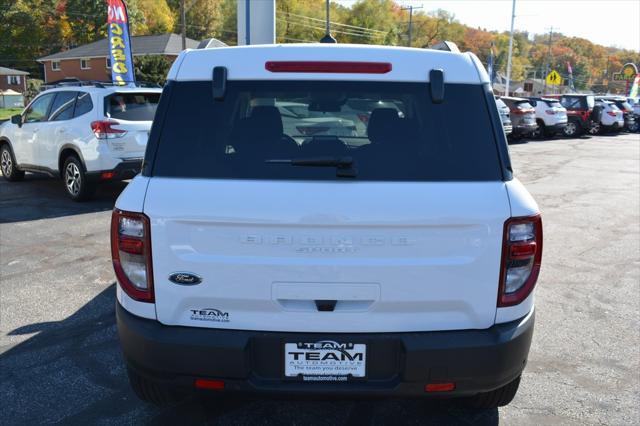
(60, 360)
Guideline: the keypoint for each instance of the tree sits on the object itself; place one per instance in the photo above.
(203, 17)
(151, 68)
(158, 17)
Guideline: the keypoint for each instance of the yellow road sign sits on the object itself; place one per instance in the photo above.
(553, 78)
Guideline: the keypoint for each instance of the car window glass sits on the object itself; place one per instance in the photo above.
(38, 110)
(83, 104)
(132, 106)
(62, 107)
(390, 130)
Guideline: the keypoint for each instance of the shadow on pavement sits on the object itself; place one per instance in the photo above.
(42, 197)
(71, 371)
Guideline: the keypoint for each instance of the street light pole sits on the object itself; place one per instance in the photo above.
(513, 17)
(183, 24)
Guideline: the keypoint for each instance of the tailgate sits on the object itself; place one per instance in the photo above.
(134, 142)
(350, 257)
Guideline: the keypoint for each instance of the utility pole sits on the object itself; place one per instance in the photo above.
(183, 24)
(513, 17)
(328, 38)
(548, 64)
(410, 9)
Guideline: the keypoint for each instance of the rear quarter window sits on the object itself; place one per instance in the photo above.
(391, 131)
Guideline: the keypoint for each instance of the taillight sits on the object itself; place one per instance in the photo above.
(550, 111)
(329, 67)
(521, 259)
(103, 130)
(518, 111)
(131, 254)
(611, 113)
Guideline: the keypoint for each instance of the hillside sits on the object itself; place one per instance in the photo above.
(39, 27)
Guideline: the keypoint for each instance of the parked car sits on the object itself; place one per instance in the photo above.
(83, 134)
(579, 108)
(302, 124)
(503, 110)
(551, 117)
(635, 103)
(630, 122)
(608, 117)
(522, 115)
(400, 261)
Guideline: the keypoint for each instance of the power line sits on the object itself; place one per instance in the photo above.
(332, 22)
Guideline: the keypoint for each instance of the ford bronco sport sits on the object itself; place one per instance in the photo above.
(399, 259)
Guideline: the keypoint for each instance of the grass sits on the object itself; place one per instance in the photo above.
(6, 113)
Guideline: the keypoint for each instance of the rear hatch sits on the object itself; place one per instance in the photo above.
(524, 113)
(132, 114)
(396, 229)
(556, 110)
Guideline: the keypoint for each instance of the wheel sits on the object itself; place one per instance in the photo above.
(75, 180)
(150, 391)
(540, 132)
(496, 398)
(594, 128)
(8, 165)
(634, 126)
(572, 129)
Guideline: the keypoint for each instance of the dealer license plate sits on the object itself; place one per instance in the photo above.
(325, 360)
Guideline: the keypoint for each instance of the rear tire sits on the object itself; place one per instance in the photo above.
(540, 132)
(496, 398)
(8, 164)
(572, 129)
(75, 180)
(150, 391)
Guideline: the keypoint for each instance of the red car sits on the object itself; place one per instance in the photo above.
(579, 110)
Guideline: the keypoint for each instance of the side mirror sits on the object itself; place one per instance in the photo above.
(17, 119)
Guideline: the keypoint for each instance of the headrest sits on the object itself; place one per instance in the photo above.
(267, 122)
(382, 124)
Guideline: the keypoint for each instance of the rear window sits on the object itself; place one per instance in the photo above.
(524, 105)
(553, 104)
(386, 131)
(131, 106)
(578, 102)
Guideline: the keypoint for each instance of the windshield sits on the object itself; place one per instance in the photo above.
(388, 131)
(131, 106)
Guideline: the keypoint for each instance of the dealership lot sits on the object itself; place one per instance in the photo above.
(59, 354)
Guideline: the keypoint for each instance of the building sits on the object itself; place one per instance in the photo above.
(91, 61)
(11, 79)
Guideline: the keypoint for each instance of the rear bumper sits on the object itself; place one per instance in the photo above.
(397, 363)
(126, 169)
(556, 128)
(524, 129)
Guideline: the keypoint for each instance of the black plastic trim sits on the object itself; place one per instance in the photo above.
(499, 135)
(397, 363)
(156, 129)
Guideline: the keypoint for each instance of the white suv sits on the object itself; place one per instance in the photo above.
(399, 260)
(83, 134)
(551, 117)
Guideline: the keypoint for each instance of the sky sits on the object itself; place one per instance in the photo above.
(606, 22)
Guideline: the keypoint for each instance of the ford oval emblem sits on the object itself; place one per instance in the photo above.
(185, 278)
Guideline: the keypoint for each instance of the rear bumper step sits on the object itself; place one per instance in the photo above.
(397, 363)
(126, 169)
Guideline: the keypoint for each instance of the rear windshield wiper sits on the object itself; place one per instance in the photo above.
(344, 165)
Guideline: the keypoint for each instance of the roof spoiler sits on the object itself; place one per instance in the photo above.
(447, 46)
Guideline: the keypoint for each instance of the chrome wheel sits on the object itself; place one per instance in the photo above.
(594, 129)
(570, 129)
(72, 179)
(6, 163)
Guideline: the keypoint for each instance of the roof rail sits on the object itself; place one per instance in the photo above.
(96, 83)
(447, 46)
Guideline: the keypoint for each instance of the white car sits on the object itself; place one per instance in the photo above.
(611, 117)
(83, 134)
(551, 117)
(301, 123)
(401, 261)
